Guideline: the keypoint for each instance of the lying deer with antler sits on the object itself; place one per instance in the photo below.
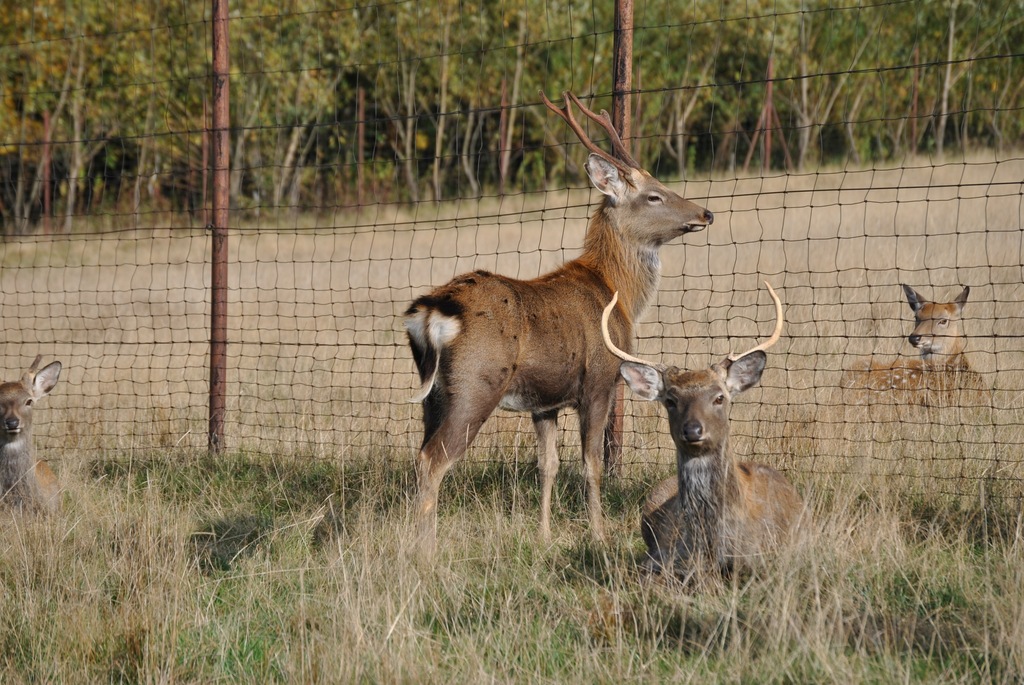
(716, 512)
(485, 341)
(942, 370)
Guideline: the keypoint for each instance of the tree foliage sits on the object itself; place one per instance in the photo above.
(449, 93)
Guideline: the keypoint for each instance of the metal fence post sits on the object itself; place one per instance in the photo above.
(219, 227)
(622, 76)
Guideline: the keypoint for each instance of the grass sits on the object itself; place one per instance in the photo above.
(184, 568)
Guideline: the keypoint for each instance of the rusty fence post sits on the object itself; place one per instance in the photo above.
(622, 76)
(219, 227)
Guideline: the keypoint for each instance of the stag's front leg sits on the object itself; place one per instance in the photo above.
(593, 418)
(547, 462)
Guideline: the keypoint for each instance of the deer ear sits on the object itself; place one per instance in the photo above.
(961, 299)
(645, 381)
(745, 372)
(605, 177)
(46, 380)
(913, 298)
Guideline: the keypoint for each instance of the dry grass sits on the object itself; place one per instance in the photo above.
(284, 561)
(180, 568)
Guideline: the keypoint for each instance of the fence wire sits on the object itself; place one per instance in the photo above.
(378, 150)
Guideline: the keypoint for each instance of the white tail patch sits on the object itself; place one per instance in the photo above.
(431, 331)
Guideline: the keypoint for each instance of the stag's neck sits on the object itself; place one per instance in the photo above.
(706, 475)
(631, 269)
(707, 483)
(15, 459)
(18, 449)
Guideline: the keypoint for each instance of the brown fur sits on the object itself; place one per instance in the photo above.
(941, 373)
(25, 482)
(716, 513)
(485, 340)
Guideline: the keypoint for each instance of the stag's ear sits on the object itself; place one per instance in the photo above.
(645, 381)
(46, 380)
(914, 298)
(745, 372)
(605, 177)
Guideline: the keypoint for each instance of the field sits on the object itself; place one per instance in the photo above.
(285, 559)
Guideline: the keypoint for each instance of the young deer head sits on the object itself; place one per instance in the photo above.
(485, 340)
(25, 482)
(937, 332)
(715, 512)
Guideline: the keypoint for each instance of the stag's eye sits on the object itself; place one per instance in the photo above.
(654, 199)
(28, 402)
(943, 322)
(670, 402)
(719, 400)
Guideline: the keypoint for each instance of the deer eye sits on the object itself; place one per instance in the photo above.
(654, 199)
(719, 400)
(28, 402)
(943, 322)
(670, 402)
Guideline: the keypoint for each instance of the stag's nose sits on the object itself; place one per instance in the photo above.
(709, 217)
(915, 340)
(12, 423)
(693, 431)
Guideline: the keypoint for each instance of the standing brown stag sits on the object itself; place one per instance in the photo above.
(716, 512)
(484, 340)
(942, 370)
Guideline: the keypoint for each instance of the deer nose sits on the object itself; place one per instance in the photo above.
(915, 340)
(709, 217)
(693, 431)
(12, 423)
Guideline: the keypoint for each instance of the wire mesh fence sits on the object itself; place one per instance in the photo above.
(379, 150)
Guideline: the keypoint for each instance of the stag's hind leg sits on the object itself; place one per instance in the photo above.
(451, 422)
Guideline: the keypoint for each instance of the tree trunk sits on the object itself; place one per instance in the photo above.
(402, 131)
(22, 205)
(296, 182)
(143, 158)
(238, 155)
(505, 147)
(409, 143)
(804, 114)
(821, 117)
(77, 162)
(851, 118)
(442, 113)
(465, 157)
(286, 164)
(947, 83)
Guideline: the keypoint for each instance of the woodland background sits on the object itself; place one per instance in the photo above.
(345, 104)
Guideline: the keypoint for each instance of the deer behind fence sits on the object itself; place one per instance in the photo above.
(941, 373)
(485, 341)
(25, 481)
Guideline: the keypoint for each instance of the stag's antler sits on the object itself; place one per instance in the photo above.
(621, 160)
(608, 339)
(775, 335)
